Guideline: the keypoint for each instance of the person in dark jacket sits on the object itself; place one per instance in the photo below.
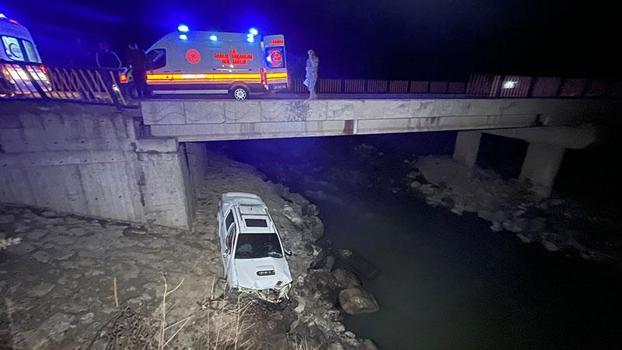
(136, 59)
(106, 58)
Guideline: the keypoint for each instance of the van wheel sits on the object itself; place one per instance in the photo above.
(239, 93)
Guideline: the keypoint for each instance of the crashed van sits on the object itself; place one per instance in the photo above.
(252, 253)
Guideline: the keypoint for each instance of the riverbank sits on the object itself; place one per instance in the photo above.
(82, 282)
(558, 224)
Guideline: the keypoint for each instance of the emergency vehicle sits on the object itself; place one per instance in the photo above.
(205, 62)
(20, 62)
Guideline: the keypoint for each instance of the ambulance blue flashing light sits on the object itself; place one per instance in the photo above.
(213, 37)
(253, 31)
(183, 37)
(182, 28)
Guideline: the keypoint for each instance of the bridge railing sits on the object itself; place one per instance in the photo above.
(478, 85)
(36, 81)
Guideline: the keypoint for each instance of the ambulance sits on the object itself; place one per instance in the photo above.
(20, 63)
(206, 62)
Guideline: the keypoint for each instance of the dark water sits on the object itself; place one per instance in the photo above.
(447, 281)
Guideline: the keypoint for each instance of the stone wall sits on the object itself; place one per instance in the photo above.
(87, 160)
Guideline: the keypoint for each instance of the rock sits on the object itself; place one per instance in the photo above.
(412, 175)
(56, 326)
(550, 246)
(6, 219)
(368, 344)
(346, 279)
(301, 305)
(36, 234)
(292, 216)
(314, 227)
(87, 318)
(415, 184)
(41, 257)
(525, 237)
(496, 227)
(516, 225)
(76, 231)
(335, 346)
(40, 290)
(338, 327)
(49, 214)
(356, 301)
(349, 334)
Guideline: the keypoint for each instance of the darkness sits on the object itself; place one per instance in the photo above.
(398, 39)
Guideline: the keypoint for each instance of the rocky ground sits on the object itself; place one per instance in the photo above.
(75, 282)
(559, 224)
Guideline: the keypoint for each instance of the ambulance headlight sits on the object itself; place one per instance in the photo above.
(250, 38)
(213, 37)
(182, 28)
(183, 37)
(253, 31)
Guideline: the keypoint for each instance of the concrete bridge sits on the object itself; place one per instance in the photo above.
(143, 165)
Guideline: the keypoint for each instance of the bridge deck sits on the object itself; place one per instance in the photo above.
(218, 119)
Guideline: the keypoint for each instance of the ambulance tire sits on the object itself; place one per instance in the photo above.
(239, 93)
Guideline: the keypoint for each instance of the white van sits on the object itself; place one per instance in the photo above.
(20, 62)
(252, 253)
(203, 62)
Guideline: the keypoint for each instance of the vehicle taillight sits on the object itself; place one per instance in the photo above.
(123, 79)
(44, 69)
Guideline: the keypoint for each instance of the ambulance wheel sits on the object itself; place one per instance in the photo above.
(239, 93)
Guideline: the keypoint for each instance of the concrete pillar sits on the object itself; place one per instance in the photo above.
(467, 146)
(541, 165)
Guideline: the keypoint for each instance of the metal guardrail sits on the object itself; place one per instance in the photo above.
(100, 86)
(36, 81)
(478, 85)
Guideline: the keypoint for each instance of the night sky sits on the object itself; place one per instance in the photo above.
(420, 39)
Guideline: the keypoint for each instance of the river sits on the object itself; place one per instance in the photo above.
(446, 281)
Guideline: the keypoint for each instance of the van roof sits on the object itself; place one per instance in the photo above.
(172, 39)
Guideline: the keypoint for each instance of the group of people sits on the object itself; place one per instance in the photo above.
(106, 58)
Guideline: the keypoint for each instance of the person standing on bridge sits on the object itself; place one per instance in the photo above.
(311, 77)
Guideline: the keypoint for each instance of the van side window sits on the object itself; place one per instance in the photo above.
(229, 220)
(31, 52)
(156, 58)
(12, 48)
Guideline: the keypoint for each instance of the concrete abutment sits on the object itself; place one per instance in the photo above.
(88, 160)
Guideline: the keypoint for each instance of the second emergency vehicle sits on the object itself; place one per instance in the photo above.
(205, 62)
(20, 63)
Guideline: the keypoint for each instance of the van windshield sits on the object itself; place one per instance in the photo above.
(258, 245)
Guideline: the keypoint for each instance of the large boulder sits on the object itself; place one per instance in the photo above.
(346, 279)
(356, 301)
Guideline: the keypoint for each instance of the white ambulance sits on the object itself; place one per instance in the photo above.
(205, 62)
(20, 62)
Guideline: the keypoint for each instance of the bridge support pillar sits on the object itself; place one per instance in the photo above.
(466, 148)
(541, 165)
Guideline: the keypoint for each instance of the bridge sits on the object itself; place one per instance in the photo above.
(142, 164)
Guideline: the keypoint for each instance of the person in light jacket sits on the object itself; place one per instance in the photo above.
(311, 77)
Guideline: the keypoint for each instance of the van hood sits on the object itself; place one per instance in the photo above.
(274, 269)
